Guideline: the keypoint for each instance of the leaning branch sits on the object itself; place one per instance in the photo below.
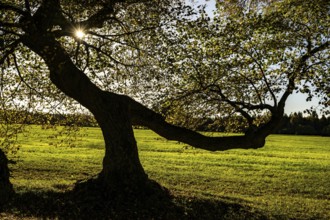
(141, 115)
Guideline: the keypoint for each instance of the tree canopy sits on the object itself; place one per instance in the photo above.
(245, 60)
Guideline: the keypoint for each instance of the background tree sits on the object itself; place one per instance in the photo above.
(219, 65)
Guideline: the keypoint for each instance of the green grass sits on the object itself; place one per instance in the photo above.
(289, 178)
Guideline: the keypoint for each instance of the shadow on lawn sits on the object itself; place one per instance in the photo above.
(53, 205)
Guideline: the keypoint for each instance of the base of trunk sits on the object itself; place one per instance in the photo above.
(113, 188)
(6, 188)
(139, 201)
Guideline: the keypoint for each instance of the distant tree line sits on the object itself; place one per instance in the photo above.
(45, 119)
(312, 124)
(295, 123)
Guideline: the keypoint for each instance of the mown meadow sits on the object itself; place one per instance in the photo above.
(289, 178)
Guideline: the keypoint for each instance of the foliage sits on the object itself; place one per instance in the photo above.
(284, 180)
(246, 60)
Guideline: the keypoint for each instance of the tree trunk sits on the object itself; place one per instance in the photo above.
(121, 164)
(6, 188)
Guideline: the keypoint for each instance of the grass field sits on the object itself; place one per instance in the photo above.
(289, 178)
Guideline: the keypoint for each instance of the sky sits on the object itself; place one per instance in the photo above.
(297, 101)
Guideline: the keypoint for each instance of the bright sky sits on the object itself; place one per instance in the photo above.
(296, 102)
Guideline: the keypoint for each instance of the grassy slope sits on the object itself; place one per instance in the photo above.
(288, 178)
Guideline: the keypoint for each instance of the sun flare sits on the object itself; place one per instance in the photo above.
(79, 33)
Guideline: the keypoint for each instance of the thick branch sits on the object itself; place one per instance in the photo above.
(146, 117)
(239, 105)
(104, 14)
(312, 52)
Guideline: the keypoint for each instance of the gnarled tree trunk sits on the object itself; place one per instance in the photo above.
(121, 165)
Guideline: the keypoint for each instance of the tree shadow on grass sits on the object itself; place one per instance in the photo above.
(93, 205)
(220, 209)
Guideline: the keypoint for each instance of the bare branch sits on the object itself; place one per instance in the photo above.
(99, 50)
(107, 36)
(254, 87)
(237, 104)
(6, 52)
(21, 76)
(259, 64)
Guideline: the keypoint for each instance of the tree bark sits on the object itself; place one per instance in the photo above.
(121, 164)
(6, 188)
